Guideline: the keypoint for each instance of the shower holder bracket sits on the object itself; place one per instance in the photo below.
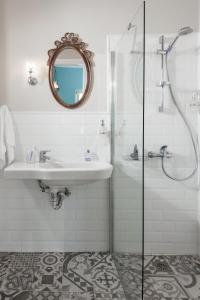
(57, 195)
(163, 83)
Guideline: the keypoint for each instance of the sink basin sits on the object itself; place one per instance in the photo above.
(60, 173)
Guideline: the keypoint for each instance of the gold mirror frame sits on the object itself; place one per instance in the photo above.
(71, 41)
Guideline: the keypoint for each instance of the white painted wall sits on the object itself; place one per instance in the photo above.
(168, 16)
(31, 28)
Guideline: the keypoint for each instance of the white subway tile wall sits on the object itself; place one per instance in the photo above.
(27, 220)
(171, 208)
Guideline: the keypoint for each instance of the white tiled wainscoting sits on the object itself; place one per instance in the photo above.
(27, 221)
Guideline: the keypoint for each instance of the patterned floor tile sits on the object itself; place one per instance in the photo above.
(16, 295)
(46, 295)
(5, 262)
(191, 284)
(94, 276)
(108, 296)
(131, 281)
(74, 282)
(157, 265)
(48, 272)
(17, 279)
(163, 287)
(184, 264)
(77, 273)
(24, 259)
(156, 297)
(106, 280)
(147, 258)
(78, 262)
(77, 296)
(100, 260)
(128, 261)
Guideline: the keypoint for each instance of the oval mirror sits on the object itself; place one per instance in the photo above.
(70, 71)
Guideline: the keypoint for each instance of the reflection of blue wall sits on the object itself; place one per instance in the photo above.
(69, 80)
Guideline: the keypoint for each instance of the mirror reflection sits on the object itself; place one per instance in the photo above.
(69, 76)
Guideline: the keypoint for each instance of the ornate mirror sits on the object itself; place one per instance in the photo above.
(70, 73)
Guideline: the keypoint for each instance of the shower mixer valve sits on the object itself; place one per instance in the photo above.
(162, 154)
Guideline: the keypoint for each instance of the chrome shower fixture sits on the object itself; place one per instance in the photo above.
(131, 25)
(185, 30)
(182, 31)
(162, 154)
(166, 81)
(163, 52)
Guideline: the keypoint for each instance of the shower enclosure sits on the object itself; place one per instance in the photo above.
(155, 152)
(127, 74)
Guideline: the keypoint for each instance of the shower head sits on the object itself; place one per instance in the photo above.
(185, 30)
(182, 31)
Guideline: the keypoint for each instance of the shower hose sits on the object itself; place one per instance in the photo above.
(194, 143)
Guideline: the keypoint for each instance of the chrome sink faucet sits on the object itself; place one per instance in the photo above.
(43, 157)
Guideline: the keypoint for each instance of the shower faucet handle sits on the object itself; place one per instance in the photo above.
(43, 157)
(162, 154)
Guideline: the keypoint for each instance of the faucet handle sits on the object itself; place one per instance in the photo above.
(45, 151)
(43, 157)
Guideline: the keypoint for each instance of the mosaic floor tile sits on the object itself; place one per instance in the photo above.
(128, 261)
(100, 260)
(5, 262)
(158, 265)
(77, 262)
(77, 273)
(48, 272)
(184, 264)
(24, 260)
(106, 280)
(94, 276)
(17, 279)
(77, 296)
(108, 296)
(46, 295)
(191, 283)
(16, 295)
(131, 281)
(163, 287)
(74, 282)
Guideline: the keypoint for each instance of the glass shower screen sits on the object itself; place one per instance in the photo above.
(127, 73)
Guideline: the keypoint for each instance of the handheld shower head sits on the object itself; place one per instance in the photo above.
(182, 31)
(185, 31)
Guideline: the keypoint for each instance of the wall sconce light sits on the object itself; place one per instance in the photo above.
(31, 79)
